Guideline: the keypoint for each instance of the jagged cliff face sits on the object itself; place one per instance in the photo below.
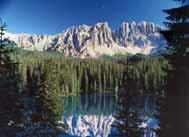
(136, 34)
(94, 41)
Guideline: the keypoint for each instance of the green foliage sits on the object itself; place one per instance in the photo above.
(76, 75)
(173, 110)
(41, 104)
(7, 66)
(177, 36)
(47, 95)
(8, 83)
(148, 74)
(73, 75)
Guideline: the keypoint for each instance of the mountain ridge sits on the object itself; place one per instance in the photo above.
(96, 40)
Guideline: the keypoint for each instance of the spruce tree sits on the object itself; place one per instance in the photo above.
(174, 109)
(177, 35)
(7, 66)
(9, 94)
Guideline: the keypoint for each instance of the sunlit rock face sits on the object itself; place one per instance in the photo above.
(143, 37)
(89, 125)
(97, 40)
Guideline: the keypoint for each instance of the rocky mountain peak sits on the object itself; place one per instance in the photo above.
(96, 40)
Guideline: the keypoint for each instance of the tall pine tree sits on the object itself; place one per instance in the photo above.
(9, 94)
(174, 108)
(177, 35)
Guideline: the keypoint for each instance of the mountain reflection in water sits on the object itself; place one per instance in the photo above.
(94, 114)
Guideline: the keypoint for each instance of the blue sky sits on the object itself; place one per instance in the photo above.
(54, 16)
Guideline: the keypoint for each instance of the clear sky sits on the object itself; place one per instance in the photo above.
(54, 16)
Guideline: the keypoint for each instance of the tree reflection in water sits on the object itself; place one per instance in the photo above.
(136, 115)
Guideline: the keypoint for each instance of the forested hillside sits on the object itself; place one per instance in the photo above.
(74, 75)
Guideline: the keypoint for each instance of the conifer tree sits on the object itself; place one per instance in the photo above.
(9, 94)
(7, 66)
(174, 109)
(177, 35)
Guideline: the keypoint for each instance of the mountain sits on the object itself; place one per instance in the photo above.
(99, 39)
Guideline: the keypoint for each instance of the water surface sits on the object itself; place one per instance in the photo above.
(94, 114)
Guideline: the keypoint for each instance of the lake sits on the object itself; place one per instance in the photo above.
(94, 114)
